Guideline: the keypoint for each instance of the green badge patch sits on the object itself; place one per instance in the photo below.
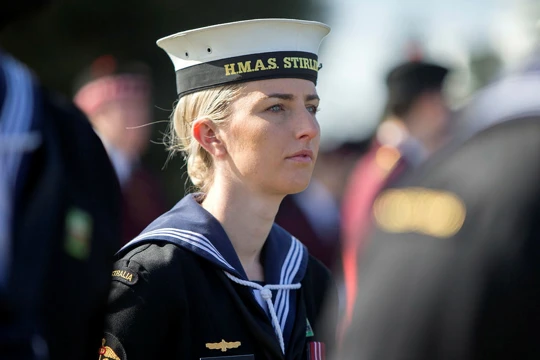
(79, 226)
(309, 330)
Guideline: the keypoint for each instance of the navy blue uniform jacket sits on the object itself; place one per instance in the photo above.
(173, 298)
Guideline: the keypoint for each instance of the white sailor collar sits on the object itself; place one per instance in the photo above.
(191, 227)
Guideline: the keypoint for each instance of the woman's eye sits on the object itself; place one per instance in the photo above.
(275, 108)
(313, 109)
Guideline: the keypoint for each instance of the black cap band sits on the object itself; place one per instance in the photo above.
(271, 65)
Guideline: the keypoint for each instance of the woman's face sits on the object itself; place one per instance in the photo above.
(272, 138)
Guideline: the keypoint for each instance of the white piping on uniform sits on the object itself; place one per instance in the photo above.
(291, 269)
(186, 234)
(15, 120)
(19, 143)
(266, 294)
(195, 239)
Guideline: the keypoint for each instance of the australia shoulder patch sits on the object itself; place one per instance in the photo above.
(125, 275)
(111, 348)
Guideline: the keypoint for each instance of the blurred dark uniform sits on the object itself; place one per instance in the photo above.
(312, 216)
(393, 151)
(453, 268)
(59, 223)
(116, 98)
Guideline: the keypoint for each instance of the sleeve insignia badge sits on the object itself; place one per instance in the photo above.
(223, 345)
(106, 353)
(435, 213)
(125, 275)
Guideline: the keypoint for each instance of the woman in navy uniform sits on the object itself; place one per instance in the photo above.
(215, 276)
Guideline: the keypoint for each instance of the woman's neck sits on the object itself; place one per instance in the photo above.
(247, 219)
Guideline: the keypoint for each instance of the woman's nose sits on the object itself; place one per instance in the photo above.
(308, 126)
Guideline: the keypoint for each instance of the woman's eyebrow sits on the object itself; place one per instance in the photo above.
(312, 97)
(290, 97)
(281, 96)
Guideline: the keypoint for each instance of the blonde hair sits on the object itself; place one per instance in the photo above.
(212, 104)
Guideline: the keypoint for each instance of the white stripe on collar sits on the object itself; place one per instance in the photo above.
(20, 143)
(288, 272)
(15, 120)
(195, 239)
(18, 107)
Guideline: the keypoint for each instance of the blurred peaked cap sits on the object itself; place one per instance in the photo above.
(107, 80)
(407, 81)
(109, 66)
(245, 51)
(415, 76)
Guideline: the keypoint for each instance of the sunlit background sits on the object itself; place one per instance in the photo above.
(478, 39)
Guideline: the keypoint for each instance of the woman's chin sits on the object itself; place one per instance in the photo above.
(289, 184)
(296, 186)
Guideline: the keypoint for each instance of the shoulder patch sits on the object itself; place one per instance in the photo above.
(436, 213)
(309, 329)
(111, 348)
(78, 237)
(125, 275)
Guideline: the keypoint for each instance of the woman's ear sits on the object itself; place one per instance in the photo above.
(205, 132)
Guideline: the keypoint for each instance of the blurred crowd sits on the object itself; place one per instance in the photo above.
(334, 214)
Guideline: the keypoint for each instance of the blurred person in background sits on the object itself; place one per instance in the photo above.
(116, 97)
(453, 268)
(59, 217)
(416, 123)
(313, 216)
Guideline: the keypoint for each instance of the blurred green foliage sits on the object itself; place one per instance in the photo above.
(62, 41)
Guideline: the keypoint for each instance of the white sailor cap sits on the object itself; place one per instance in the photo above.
(245, 51)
